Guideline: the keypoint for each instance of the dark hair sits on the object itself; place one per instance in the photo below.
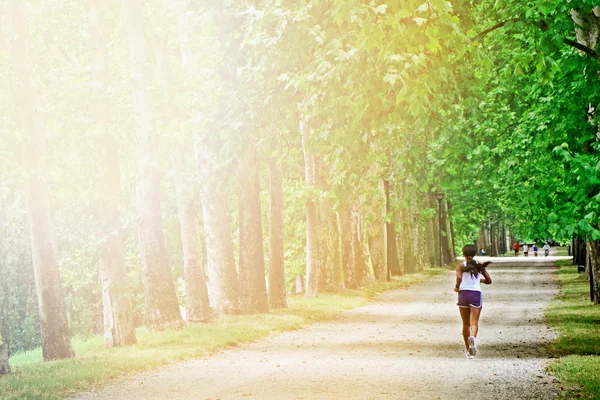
(469, 250)
(472, 266)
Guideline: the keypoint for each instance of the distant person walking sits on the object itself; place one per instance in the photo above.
(546, 249)
(516, 248)
(469, 275)
(535, 249)
(526, 250)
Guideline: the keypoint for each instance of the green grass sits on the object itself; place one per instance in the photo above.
(577, 321)
(34, 379)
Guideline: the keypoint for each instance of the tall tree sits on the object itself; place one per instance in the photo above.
(222, 275)
(313, 253)
(361, 270)
(119, 328)
(252, 260)
(446, 236)
(194, 252)
(376, 236)
(161, 304)
(390, 235)
(277, 296)
(55, 332)
(197, 306)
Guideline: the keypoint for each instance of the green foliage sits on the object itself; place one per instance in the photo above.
(18, 299)
(421, 94)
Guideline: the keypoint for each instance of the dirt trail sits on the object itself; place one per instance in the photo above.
(406, 346)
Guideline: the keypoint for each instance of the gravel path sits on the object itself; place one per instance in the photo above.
(406, 346)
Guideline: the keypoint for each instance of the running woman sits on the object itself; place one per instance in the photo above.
(469, 275)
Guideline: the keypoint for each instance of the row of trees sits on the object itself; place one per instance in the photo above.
(138, 138)
(527, 124)
(223, 96)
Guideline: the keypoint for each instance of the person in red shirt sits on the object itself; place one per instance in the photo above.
(516, 248)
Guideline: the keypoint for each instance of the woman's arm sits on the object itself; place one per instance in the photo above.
(458, 277)
(487, 279)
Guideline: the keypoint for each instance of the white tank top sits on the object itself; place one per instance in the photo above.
(470, 282)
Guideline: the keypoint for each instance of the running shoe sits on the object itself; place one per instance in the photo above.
(469, 356)
(472, 346)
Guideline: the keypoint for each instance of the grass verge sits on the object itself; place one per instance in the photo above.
(34, 379)
(577, 321)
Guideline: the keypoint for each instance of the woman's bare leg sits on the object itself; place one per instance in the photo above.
(474, 320)
(465, 315)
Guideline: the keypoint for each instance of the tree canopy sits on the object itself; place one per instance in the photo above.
(196, 107)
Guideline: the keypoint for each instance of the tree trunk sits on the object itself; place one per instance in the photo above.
(481, 239)
(348, 253)
(277, 295)
(55, 332)
(593, 249)
(430, 236)
(161, 304)
(588, 28)
(4, 366)
(335, 253)
(377, 250)
(451, 244)
(376, 240)
(361, 272)
(579, 251)
(408, 251)
(326, 268)
(197, 305)
(222, 275)
(390, 236)
(409, 260)
(252, 258)
(197, 302)
(434, 203)
(313, 260)
(119, 327)
(445, 245)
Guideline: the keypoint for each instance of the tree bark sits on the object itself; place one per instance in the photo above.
(482, 239)
(409, 259)
(434, 203)
(277, 295)
(348, 250)
(224, 286)
(593, 249)
(313, 261)
(430, 235)
(361, 273)
(252, 259)
(325, 279)
(391, 244)
(376, 239)
(335, 253)
(451, 244)
(579, 251)
(119, 327)
(446, 253)
(55, 332)
(588, 28)
(4, 366)
(197, 305)
(161, 304)
(197, 302)
(408, 251)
